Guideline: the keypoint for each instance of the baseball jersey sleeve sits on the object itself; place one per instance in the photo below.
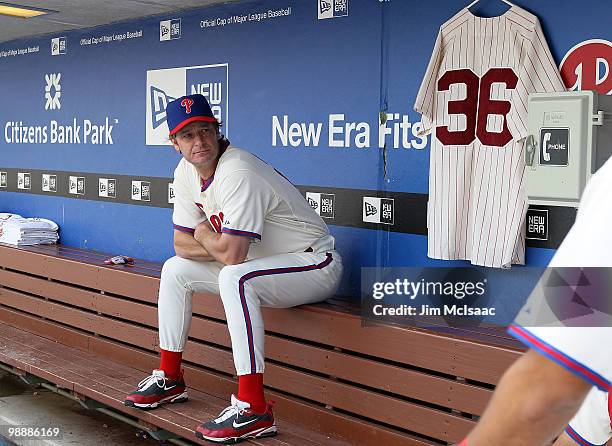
(538, 71)
(547, 77)
(245, 199)
(591, 425)
(425, 101)
(186, 215)
(576, 342)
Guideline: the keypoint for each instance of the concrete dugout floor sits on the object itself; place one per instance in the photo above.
(25, 405)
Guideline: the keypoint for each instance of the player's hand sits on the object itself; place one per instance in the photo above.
(202, 229)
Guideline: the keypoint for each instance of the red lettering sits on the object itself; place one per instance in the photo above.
(488, 106)
(477, 106)
(466, 107)
(187, 103)
(217, 222)
(580, 68)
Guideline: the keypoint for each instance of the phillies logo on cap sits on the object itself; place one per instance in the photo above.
(188, 109)
(187, 103)
(587, 66)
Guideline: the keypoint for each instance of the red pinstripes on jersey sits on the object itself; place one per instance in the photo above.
(449, 171)
(532, 27)
(460, 208)
(420, 104)
(434, 63)
(517, 216)
(480, 208)
(491, 207)
(508, 186)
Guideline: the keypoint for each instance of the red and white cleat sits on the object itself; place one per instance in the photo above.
(237, 423)
(156, 390)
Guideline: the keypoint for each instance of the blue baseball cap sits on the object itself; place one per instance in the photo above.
(188, 109)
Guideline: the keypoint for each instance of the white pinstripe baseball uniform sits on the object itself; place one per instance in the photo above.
(474, 99)
(291, 261)
(591, 425)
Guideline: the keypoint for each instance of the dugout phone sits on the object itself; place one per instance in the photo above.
(570, 137)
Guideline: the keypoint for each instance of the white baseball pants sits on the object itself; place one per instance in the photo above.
(282, 281)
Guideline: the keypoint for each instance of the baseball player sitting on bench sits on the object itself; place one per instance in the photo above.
(241, 230)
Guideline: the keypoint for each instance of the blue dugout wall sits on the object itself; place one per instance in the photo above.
(300, 87)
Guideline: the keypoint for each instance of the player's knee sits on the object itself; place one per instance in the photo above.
(229, 277)
(172, 271)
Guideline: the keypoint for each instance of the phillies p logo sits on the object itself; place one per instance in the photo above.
(187, 103)
(587, 66)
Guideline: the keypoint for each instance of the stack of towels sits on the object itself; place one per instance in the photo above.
(19, 231)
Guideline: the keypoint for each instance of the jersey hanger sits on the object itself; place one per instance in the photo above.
(476, 1)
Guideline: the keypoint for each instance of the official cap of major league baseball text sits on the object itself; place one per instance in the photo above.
(188, 109)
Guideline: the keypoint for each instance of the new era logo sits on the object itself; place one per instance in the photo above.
(328, 9)
(159, 101)
(141, 191)
(107, 188)
(165, 85)
(537, 224)
(24, 180)
(49, 182)
(378, 210)
(170, 193)
(169, 29)
(58, 46)
(323, 204)
(3, 179)
(370, 209)
(76, 185)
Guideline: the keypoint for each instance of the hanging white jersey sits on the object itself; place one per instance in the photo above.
(473, 99)
(248, 197)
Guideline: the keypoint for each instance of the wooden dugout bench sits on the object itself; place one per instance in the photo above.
(90, 330)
